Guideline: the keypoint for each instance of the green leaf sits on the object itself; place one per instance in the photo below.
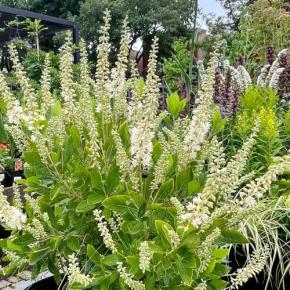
(220, 254)
(55, 192)
(32, 158)
(119, 203)
(217, 284)
(95, 198)
(111, 260)
(132, 227)
(113, 179)
(83, 206)
(165, 190)
(190, 261)
(96, 179)
(14, 247)
(24, 239)
(38, 255)
(183, 178)
(218, 123)
(185, 273)
(73, 243)
(74, 133)
(191, 241)
(163, 229)
(56, 109)
(175, 105)
(54, 269)
(93, 254)
(193, 187)
(220, 270)
(233, 237)
(134, 262)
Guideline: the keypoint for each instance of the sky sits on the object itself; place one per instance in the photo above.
(212, 6)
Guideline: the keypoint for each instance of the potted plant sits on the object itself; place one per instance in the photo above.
(120, 196)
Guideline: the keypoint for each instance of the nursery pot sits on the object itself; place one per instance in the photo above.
(3, 235)
(6, 179)
(44, 284)
(47, 284)
(16, 175)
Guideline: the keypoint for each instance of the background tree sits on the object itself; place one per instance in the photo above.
(166, 19)
(57, 8)
(234, 9)
(15, 3)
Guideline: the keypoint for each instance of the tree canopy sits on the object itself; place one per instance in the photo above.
(167, 19)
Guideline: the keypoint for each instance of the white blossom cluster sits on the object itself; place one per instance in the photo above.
(128, 279)
(145, 256)
(103, 70)
(245, 79)
(178, 205)
(123, 161)
(204, 252)
(11, 216)
(75, 275)
(174, 239)
(255, 190)
(222, 181)
(17, 202)
(46, 86)
(118, 87)
(201, 286)
(269, 76)
(30, 99)
(199, 125)
(68, 93)
(239, 75)
(104, 231)
(142, 132)
(254, 266)
(160, 169)
(36, 229)
(116, 222)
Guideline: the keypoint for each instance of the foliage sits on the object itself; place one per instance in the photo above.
(118, 195)
(165, 19)
(263, 104)
(55, 8)
(6, 161)
(262, 24)
(174, 65)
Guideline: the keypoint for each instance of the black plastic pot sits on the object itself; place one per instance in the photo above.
(3, 235)
(16, 175)
(8, 179)
(47, 284)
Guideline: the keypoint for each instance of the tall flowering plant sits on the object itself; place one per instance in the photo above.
(118, 195)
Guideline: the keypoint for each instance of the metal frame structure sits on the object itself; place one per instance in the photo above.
(54, 24)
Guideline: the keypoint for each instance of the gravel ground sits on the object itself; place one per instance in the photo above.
(21, 282)
(15, 283)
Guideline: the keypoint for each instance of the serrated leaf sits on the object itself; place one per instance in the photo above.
(95, 198)
(73, 243)
(165, 191)
(111, 260)
(119, 203)
(193, 187)
(93, 254)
